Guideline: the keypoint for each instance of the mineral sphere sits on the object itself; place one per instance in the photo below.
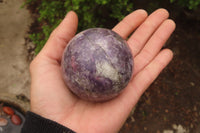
(15, 119)
(97, 64)
(8, 110)
(3, 122)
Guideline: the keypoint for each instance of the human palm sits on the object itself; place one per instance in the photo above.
(51, 98)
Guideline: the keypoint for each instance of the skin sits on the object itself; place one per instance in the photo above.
(50, 97)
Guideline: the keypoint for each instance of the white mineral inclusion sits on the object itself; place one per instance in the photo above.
(102, 43)
(105, 69)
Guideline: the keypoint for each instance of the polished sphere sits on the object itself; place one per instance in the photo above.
(97, 64)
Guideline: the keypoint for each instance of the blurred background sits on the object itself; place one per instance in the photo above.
(172, 102)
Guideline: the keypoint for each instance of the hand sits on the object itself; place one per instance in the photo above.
(51, 98)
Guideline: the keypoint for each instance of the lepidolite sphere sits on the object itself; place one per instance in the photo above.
(97, 64)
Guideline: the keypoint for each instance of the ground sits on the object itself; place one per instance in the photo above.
(170, 105)
(14, 72)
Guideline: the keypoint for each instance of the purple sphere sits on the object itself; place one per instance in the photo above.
(97, 64)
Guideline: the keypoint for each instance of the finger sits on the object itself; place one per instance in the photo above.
(144, 78)
(61, 36)
(130, 23)
(144, 32)
(154, 45)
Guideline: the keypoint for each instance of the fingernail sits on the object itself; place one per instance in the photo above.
(68, 13)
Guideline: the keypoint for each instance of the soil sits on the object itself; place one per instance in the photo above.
(14, 72)
(172, 102)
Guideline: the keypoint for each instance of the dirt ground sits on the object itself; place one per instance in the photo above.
(172, 102)
(14, 72)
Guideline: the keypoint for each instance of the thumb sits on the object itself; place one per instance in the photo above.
(59, 38)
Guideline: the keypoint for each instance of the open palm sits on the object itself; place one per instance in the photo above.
(51, 98)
